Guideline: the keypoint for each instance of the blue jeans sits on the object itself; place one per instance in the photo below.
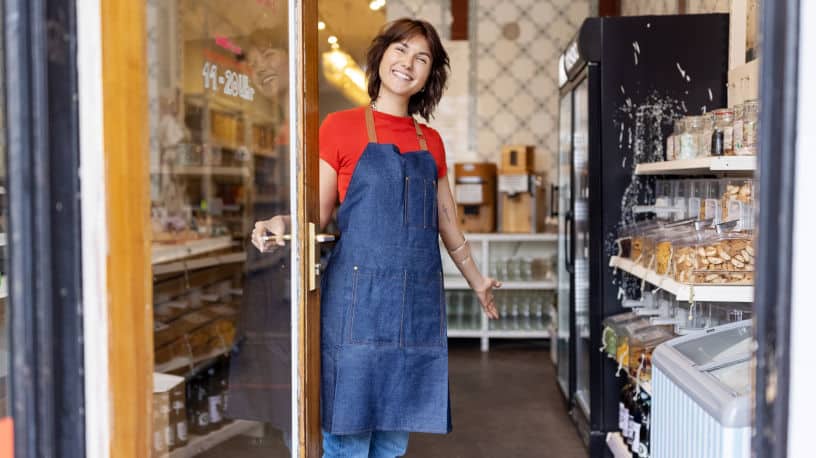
(372, 444)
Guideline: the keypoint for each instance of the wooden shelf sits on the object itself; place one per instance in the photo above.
(743, 165)
(162, 253)
(200, 444)
(198, 263)
(617, 445)
(686, 292)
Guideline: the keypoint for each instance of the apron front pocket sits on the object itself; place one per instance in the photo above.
(378, 296)
(425, 311)
(420, 202)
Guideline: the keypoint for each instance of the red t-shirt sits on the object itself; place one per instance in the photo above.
(343, 137)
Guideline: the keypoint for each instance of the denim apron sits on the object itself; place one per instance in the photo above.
(383, 325)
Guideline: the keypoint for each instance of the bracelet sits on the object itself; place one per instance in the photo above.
(465, 243)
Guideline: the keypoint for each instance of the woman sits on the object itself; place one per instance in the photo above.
(383, 330)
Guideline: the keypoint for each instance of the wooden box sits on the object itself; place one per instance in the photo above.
(169, 415)
(516, 159)
(524, 212)
(475, 193)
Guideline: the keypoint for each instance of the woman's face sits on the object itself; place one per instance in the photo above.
(269, 70)
(405, 66)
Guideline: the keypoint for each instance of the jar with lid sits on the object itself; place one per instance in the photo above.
(750, 128)
(739, 111)
(689, 139)
(704, 141)
(673, 140)
(722, 138)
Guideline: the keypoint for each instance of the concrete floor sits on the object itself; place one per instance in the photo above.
(505, 403)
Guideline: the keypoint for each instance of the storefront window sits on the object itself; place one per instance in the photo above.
(218, 83)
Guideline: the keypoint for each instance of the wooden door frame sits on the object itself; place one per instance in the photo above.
(119, 287)
(304, 106)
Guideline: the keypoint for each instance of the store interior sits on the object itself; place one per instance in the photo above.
(626, 253)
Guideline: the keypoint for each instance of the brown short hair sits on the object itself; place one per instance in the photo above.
(424, 103)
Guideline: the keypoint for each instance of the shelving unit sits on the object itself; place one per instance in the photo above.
(483, 245)
(685, 292)
(737, 165)
(617, 445)
(200, 444)
(161, 253)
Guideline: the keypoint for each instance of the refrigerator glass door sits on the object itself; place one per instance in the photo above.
(564, 241)
(580, 186)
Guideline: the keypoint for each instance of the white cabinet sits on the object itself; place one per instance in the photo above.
(526, 298)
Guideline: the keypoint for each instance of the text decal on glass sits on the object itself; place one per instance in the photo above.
(234, 84)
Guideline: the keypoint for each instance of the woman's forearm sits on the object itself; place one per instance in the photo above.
(457, 246)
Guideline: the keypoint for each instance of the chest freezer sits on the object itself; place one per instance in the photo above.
(701, 394)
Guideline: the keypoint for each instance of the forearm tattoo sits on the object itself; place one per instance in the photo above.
(445, 210)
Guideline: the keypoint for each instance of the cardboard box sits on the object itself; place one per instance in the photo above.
(168, 413)
(517, 159)
(475, 193)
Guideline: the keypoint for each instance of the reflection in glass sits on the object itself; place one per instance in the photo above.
(580, 185)
(564, 241)
(219, 89)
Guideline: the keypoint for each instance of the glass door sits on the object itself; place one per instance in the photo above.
(580, 183)
(564, 241)
(226, 134)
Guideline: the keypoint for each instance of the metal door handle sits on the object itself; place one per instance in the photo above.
(313, 269)
(321, 238)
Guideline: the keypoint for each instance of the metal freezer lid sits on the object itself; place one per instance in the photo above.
(729, 408)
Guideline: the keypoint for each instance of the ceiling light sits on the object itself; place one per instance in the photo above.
(342, 71)
(376, 4)
(332, 40)
(321, 25)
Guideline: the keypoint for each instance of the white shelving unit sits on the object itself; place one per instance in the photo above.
(200, 444)
(686, 292)
(617, 445)
(483, 245)
(742, 165)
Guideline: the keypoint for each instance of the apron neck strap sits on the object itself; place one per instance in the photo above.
(372, 132)
(423, 145)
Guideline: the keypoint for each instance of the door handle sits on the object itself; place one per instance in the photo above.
(313, 268)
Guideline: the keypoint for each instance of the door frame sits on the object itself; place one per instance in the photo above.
(43, 239)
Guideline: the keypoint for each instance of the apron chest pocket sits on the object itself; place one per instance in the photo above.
(420, 202)
(376, 310)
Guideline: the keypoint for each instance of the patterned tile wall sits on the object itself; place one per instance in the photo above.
(645, 7)
(515, 45)
(515, 49)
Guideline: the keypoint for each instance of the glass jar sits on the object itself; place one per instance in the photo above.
(750, 128)
(664, 194)
(706, 132)
(724, 259)
(722, 138)
(641, 346)
(739, 111)
(612, 326)
(689, 139)
(673, 140)
(740, 190)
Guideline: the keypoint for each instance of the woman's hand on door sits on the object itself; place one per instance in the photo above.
(269, 234)
(484, 291)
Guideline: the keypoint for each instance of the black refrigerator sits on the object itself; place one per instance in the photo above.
(622, 83)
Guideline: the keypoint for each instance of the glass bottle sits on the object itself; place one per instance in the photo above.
(750, 128)
(722, 138)
(679, 128)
